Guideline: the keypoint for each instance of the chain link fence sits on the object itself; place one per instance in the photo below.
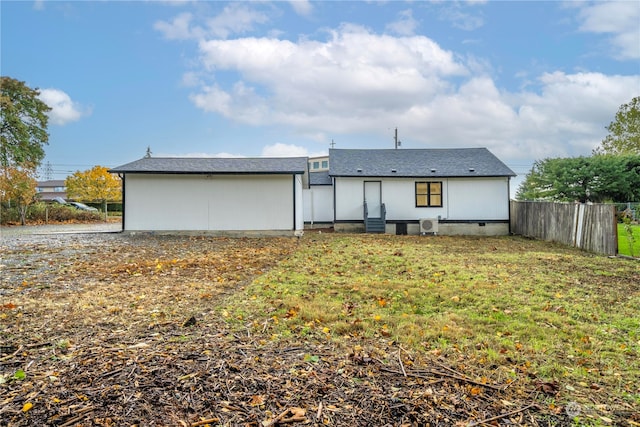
(629, 209)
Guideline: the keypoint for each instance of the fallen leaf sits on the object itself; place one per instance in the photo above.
(550, 388)
(27, 406)
(257, 400)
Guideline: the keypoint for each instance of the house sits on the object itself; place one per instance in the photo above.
(401, 191)
(412, 191)
(50, 189)
(318, 164)
(222, 195)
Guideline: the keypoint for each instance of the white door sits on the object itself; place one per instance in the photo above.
(373, 197)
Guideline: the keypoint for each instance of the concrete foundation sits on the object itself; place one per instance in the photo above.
(444, 229)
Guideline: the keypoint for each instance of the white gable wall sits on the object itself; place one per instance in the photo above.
(462, 199)
(318, 204)
(213, 202)
(478, 198)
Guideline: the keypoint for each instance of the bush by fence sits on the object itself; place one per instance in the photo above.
(591, 227)
(41, 213)
(630, 208)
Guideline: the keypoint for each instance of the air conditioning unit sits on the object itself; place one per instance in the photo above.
(428, 226)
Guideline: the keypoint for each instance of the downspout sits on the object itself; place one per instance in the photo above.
(311, 196)
(122, 178)
(509, 201)
(333, 181)
(294, 201)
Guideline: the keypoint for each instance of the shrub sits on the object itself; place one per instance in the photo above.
(41, 212)
(9, 215)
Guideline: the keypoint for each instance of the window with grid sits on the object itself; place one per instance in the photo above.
(428, 194)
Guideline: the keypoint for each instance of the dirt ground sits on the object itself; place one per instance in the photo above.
(118, 330)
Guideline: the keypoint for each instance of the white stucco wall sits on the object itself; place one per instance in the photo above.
(299, 202)
(214, 202)
(462, 199)
(318, 204)
(479, 198)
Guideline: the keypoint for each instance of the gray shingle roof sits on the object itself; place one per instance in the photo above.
(320, 178)
(215, 165)
(449, 162)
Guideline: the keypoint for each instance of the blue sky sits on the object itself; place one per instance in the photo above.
(527, 80)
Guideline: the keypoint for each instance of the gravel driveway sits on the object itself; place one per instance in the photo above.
(28, 230)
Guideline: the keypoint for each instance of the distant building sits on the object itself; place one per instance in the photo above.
(318, 164)
(49, 190)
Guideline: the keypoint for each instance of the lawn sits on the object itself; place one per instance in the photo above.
(506, 310)
(329, 329)
(623, 240)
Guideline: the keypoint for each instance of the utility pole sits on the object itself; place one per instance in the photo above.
(48, 171)
(397, 143)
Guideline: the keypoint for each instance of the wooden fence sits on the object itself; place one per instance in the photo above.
(586, 226)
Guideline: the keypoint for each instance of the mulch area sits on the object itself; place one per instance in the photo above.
(114, 330)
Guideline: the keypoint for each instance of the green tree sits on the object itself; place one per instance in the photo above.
(534, 186)
(624, 131)
(585, 179)
(23, 125)
(18, 185)
(94, 185)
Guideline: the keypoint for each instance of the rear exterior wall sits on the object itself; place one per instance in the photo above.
(158, 202)
(463, 199)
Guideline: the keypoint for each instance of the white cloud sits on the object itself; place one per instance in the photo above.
(461, 19)
(235, 18)
(191, 79)
(274, 150)
(288, 150)
(405, 25)
(302, 7)
(356, 82)
(620, 19)
(179, 28)
(199, 154)
(63, 109)
(354, 74)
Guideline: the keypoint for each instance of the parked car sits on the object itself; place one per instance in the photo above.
(83, 207)
(59, 200)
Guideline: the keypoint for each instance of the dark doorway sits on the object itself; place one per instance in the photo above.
(401, 229)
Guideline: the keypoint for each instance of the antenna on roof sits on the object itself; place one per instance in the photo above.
(333, 144)
(397, 143)
(148, 154)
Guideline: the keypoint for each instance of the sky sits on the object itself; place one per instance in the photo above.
(527, 80)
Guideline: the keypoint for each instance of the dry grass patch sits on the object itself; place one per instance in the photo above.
(547, 317)
(330, 330)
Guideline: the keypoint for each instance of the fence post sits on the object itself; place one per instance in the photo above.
(615, 228)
